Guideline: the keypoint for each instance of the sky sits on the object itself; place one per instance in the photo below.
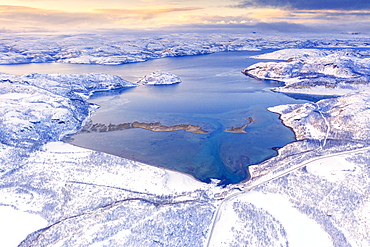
(67, 15)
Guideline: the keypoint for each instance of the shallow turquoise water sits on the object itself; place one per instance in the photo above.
(214, 94)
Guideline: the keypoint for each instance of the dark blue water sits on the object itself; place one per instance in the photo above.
(214, 94)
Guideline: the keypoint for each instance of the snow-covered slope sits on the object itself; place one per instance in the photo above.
(344, 118)
(296, 54)
(91, 198)
(36, 108)
(324, 72)
(79, 86)
(324, 203)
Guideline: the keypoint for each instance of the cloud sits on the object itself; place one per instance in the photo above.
(332, 17)
(308, 4)
(22, 18)
(19, 14)
(19, 18)
(5, 30)
(344, 17)
(308, 12)
(284, 27)
(242, 28)
(144, 14)
(217, 19)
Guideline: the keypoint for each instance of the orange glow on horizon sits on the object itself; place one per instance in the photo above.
(59, 16)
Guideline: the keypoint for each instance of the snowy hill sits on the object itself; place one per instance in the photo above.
(112, 49)
(36, 108)
(324, 72)
(342, 118)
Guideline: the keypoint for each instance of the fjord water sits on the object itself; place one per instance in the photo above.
(214, 94)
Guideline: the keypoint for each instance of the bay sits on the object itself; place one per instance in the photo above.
(214, 95)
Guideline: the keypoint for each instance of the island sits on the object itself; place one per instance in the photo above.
(159, 78)
(235, 129)
(157, 127)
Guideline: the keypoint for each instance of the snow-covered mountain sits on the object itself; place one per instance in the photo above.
(112, 49)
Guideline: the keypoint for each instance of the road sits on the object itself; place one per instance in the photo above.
(218, 212)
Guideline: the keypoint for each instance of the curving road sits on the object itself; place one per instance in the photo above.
(218, 212)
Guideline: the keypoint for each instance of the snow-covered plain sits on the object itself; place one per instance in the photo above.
(21, 223)
(79, 197)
